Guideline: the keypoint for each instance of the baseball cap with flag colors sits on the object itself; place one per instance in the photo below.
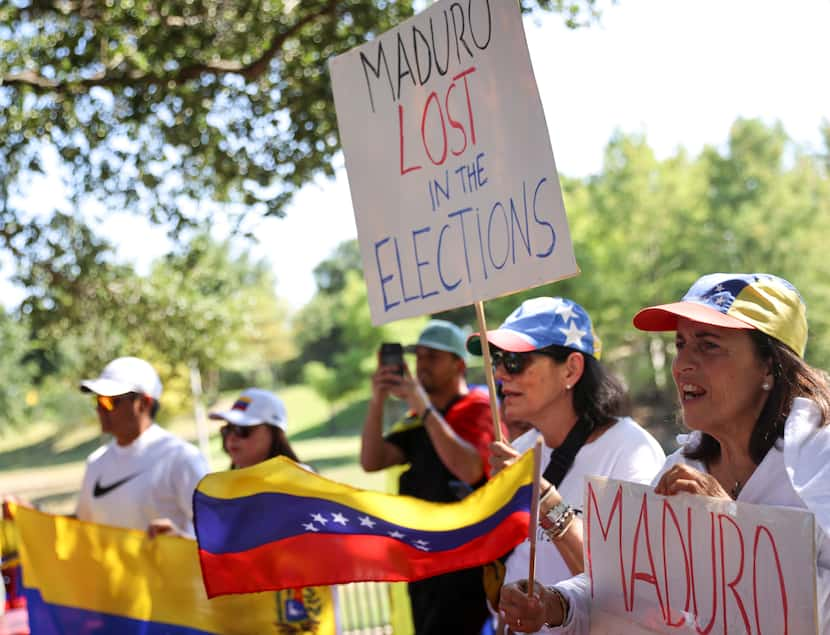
(739, 301)
(123, 375)
(255, 406)
(542, 322)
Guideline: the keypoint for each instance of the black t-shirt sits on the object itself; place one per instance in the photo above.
(453, 602)
(427, 477)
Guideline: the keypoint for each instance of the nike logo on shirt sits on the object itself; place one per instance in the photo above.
(101, 490)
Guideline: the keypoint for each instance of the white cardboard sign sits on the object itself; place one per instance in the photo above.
(453, 182)
(691, 564)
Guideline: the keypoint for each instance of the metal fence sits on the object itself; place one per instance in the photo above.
(365, 608)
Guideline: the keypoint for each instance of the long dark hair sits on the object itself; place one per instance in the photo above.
(280, 445)
(793, 377)
(598, 397)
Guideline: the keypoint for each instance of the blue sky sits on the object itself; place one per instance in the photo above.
(678, 71)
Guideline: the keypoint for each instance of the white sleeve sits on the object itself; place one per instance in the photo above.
(82, 508)
(190, 469)
(807, 458)
(578, 620)
(641, 464)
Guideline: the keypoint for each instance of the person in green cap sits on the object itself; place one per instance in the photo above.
(444, 438)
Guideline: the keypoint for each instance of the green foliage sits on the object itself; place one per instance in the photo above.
(147, 105)
(330, 274)
(644, 229)
(16, 373)
(202, 305)
(346, 340)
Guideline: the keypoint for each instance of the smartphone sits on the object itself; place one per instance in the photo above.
(391, 354)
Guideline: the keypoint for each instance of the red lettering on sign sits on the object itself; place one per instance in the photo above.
(437, 114)
(738, 600)
(617, 505)
(649, 577)
(781, 585)
(668, 510)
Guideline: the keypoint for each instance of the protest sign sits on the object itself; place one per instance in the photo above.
(453, 182)
(692, 564)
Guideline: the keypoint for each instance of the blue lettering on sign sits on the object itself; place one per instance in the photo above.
(447, 286)
(384, 279)
(508, 240)
(406, 298)
(460, 214)
(421, 263)
(498, 206)
(543, 254)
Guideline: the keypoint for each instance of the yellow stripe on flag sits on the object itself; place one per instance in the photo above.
(125, 573)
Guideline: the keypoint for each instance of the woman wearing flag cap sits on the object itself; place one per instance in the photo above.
(758, 414)
(255, 431)
(546, 358)
(255, 428)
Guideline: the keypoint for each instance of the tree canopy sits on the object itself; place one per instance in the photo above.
(144, 105)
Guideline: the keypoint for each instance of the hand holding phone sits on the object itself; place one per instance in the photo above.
(391, 354)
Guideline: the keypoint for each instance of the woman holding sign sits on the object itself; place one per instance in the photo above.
(546, 358)
(759, 417)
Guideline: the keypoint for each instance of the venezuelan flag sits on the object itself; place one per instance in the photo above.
(277, 525)
(84, 578)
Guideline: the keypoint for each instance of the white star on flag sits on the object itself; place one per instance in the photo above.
(320, 518)
(309, 527)
(720, 300)
(421, 547)
(565, 310)
(339, 518)
(719, 288)
(396, 534)
(365, 521)
(421, 543)
(573, 335)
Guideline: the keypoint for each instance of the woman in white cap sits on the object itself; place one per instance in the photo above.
(546, 358)
(759, 417)
(255, 429)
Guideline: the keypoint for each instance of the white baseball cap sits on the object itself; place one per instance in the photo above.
(123, 375)
(255, 406)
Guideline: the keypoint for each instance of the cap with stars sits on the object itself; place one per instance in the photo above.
(542, 322)
(739, 301)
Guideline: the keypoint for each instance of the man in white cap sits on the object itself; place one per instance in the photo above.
(145, 477)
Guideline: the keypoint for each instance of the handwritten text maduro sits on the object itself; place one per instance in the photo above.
(688, 564)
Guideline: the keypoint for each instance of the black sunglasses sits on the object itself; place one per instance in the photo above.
(515, 363)
(243, 432)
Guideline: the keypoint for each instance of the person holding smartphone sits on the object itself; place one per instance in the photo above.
(444, 438)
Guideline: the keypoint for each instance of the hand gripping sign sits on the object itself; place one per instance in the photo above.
(453, 182)
(691, 564)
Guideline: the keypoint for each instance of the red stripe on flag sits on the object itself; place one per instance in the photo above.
(317, 559)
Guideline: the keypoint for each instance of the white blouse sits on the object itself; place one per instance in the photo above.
(794, 473)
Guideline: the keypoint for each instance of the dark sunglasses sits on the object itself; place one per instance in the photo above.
(243, 432)
(515, 363)
(111, 403)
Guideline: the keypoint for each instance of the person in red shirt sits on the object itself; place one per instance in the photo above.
(444, 439)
